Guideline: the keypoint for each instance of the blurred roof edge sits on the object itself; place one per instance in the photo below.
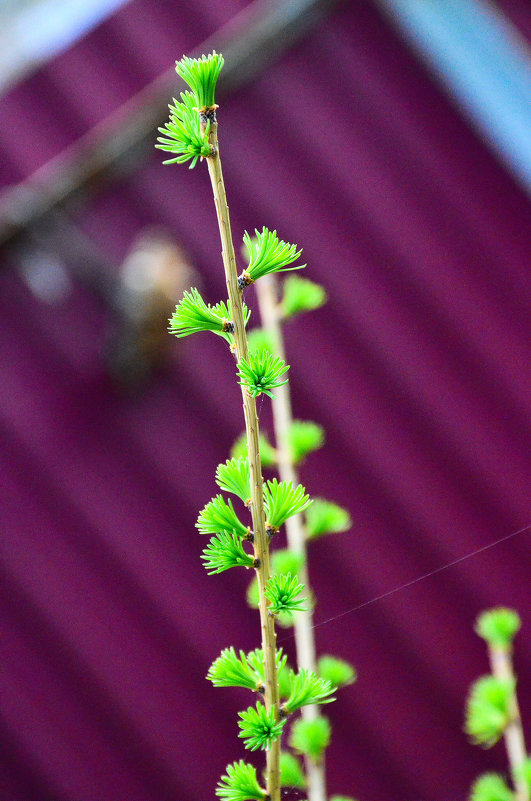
(249, 41)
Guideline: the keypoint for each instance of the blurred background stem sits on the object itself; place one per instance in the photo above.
(271, 316)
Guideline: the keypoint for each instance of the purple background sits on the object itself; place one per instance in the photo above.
(417, 369)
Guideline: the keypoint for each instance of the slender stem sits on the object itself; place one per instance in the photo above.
(267, 293)
(502, 668)
(261, 540)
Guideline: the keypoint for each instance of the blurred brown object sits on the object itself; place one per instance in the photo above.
(152, 279)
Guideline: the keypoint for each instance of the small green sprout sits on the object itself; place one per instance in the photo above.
(283, 594)
(268, 454)
(336, 671)
(282, 561)
(291, 773)
(260, 339)
(324, 517)
(229, 670)
(301, 295)
(192, 314)
(490, 787)
(201, 75)
(285, 561)
(488, 709)
(498, 627)
(281, 501)
(304, 437)
(256, 660)
(233, 476)
(267, 254)
(311, 737)
(262, 373)
(218, 515)
(240, 783)
(224, 551)
(307, 688)
(183, 134)
(245, 670)
(259, 729)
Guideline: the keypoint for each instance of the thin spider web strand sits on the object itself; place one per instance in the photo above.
(416, 580)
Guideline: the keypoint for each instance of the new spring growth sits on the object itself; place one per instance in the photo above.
(240, 783)
(242, 670)
(281, 501)
(267, 254)
(498, 627)
(488, 710)
(262, 373)
(224, 551)
(201, 75)
(192, 315)
(305, 689)
(183, 134)
(233, 476)
(190, 135)
(492, 709)
(267, 452)
(219, 515)
(324, 517)
(301, 295)
(259, 728)
(291, 772)
(491, 787)
(304, 437)
(311, 737)
(283, 593)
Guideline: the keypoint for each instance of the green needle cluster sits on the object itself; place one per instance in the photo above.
(233, 476)
(262, 373)
(311, 737)
(283, 593)
(243, 670)
(307, 688)
(240, 783)
(192, 315)
(498, 627)
(301, 295)
(183, 134)
(491, 787)
(268, 454)
(291, 772)
(190, 135)
(259, 729)
(201, 75)
(324, 517)
(336, 671)
(283, 561)
(282, 500)
(224, 551)
(219, 515)
(267, 254)
(304, 437)
(488, 709)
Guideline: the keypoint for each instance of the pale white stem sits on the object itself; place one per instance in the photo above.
(267, 292)
(502, 668)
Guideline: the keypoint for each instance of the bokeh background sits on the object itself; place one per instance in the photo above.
(359, 130)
